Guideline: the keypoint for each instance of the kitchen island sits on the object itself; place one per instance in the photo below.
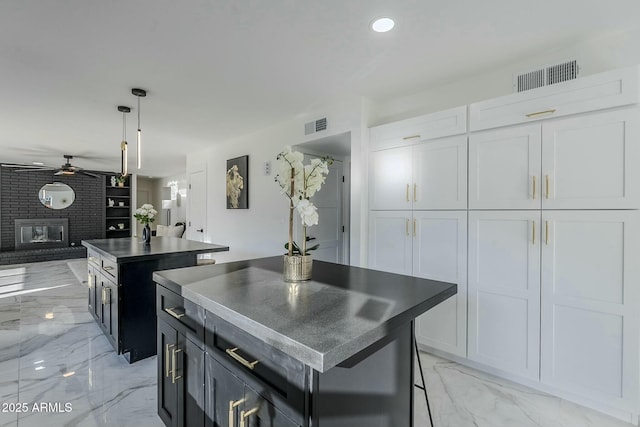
(121, 290)
(334, 351)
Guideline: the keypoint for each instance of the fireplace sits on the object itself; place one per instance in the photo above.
(42, 233)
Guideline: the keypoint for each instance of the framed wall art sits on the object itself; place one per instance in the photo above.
(237, 181)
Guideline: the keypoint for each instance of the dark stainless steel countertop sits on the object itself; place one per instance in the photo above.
(133, 249)
(322, 322)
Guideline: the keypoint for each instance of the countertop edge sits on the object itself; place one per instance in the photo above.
(124, 259)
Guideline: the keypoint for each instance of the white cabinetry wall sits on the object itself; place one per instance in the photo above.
(418, 218)
(546, 253)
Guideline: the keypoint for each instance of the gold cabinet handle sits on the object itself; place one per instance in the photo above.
(173, 313)
(410, 137)
(174, 377)
(104, 295)
(92, 258)
(90, 281)
(533, 234)
(167, 369)
(415, 192)
(541, 113)
(534, 187)
(546, 185)
(408, 200)
(232, 409)
(246, 414)
(546, 233)
(107, 268)
(244, 362)
(406, 227)
(415, 225)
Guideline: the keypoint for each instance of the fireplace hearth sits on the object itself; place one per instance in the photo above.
(41, 233)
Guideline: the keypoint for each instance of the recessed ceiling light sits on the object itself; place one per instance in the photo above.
(382, 25)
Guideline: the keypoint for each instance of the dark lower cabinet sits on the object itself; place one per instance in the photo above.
(181, 392)
(92, 284)
(107, 293)
(232, 403)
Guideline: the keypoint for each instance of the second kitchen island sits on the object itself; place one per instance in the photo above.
(238, 346)
(121, 290)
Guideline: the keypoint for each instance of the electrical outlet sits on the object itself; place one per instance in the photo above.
(267, 168)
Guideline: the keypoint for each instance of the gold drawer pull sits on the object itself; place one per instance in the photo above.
(246, 414)
(411, 137)
(232, 410)
(533, 234)
(93, 259)
(107, 267)
(534, 187)
(173, 313)
(174, 377)
(546, 233)
(541, 113)
(546, 177)
(232, 352)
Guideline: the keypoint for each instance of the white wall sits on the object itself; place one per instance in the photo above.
(604, 53)
(261, 230)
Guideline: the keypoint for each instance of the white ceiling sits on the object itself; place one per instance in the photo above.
(217, 69)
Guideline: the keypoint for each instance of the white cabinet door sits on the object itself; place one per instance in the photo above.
(390, 179)
(390, 241)
(440, 174)
(591, 304)
(440, 253)
(591, 162)
(504, 290)
(504, 169)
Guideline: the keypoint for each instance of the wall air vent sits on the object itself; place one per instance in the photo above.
(547, 75)
(315, 126)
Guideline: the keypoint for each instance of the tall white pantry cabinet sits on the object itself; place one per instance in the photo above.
(546, 253)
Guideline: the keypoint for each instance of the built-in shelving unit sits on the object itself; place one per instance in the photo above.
(118, 209)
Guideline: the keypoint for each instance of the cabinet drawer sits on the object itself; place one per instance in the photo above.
(93, 257)
(605, 90)
(185, 316)
(279, 378)
(109, 268)
(421, 128)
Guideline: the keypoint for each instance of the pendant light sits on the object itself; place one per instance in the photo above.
(123, 145)
(139, 93)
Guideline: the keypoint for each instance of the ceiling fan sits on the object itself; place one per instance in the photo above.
(66, 169)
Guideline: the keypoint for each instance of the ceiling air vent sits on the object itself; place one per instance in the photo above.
(547, 75)
(315, 126)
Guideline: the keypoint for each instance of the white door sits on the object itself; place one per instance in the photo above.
(504, 290)
(440, 253)
(390, 241)
(591, 162)
(504, 168)
(591, 304)
(390, 179)
(328, 232)
(197, 215)
(440, 174)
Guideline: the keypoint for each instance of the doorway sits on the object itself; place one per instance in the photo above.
(332, 201)
(197, 202)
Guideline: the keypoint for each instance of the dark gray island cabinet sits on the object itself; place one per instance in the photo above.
(239, 347)
(121, 291)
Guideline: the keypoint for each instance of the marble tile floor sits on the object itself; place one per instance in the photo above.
(53, 355)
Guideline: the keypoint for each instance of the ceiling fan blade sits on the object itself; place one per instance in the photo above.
(92, 175)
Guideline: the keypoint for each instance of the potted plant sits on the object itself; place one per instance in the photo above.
(146, 215)
(299, 183)
(120, 179)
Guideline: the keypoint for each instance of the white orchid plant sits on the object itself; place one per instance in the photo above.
(299, 183)
(145, 214)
